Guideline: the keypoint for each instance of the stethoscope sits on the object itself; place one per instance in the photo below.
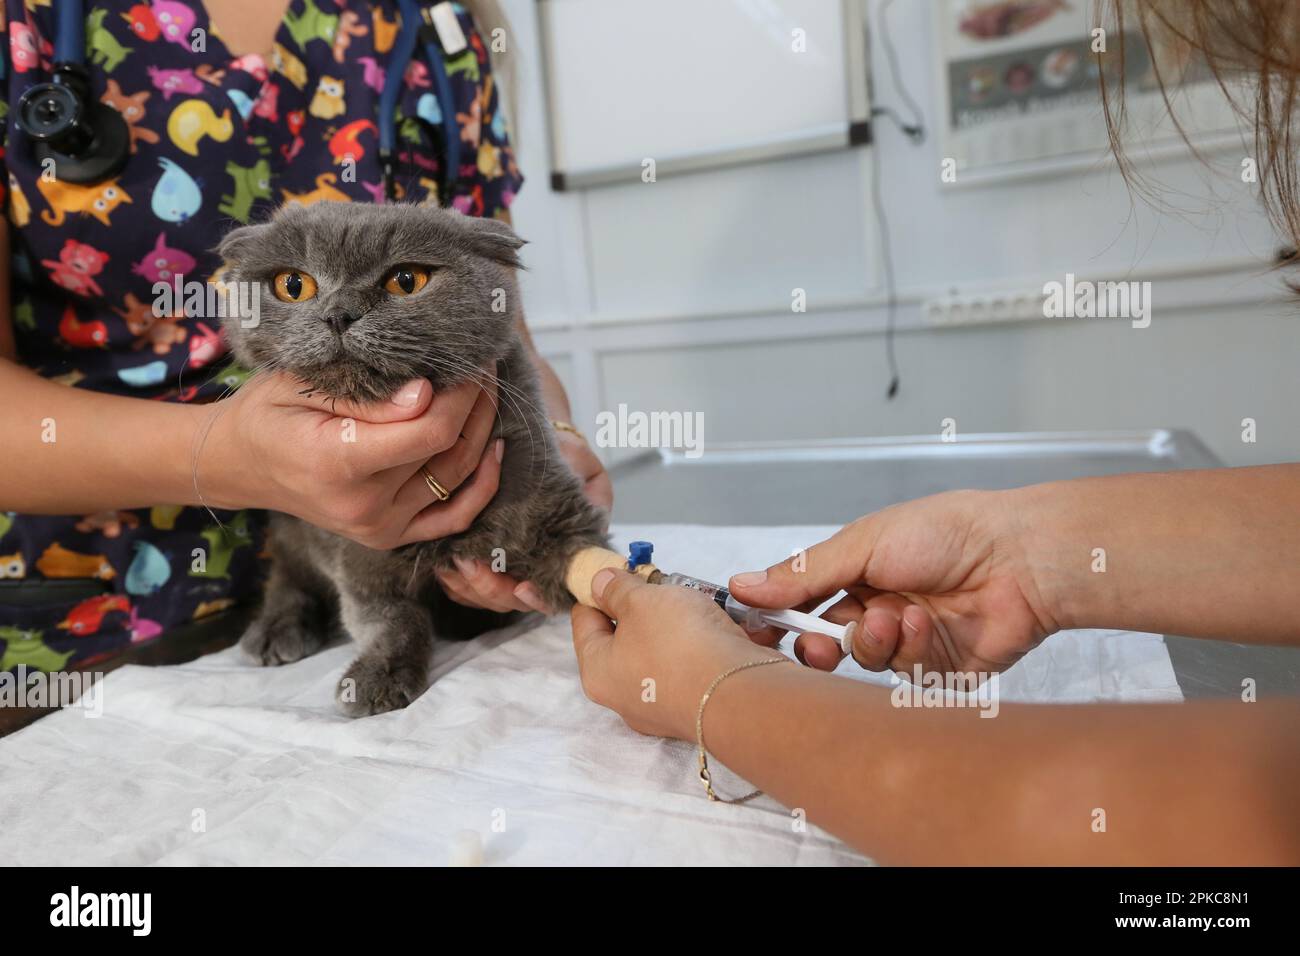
(89, 141)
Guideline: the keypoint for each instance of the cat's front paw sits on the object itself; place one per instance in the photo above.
(374, 685)
(273, 640)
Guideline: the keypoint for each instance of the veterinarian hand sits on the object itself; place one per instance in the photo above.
(941, 581)
(675, 637)
(355, 469)
(475, 584)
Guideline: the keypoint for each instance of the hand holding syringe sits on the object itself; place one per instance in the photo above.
(754, 618)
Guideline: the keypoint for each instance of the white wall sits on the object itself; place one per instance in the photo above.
(675, 295)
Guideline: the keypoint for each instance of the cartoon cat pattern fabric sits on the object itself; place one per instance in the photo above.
(216, 141)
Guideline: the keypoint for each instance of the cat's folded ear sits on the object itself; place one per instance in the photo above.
(236, 243)
(493, 239)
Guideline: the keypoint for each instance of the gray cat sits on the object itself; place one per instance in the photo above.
(390, 602)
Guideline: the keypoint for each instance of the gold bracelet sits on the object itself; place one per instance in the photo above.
(567, 427)
(705, 777)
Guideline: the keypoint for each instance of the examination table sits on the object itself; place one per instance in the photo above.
(216, 761)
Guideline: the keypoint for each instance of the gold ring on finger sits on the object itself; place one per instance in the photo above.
(439, 492)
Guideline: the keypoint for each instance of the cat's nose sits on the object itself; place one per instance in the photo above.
(339, 320)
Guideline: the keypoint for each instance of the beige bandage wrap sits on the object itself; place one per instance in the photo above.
(584, 565)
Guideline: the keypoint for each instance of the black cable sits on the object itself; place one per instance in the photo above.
(891, 293)
(914, 131)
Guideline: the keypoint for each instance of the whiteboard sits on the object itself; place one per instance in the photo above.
(698, 83)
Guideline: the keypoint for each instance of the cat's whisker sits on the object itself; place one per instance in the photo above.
(410, 582)
(507, 393)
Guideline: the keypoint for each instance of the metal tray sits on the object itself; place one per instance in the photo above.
(832, 482)
(835, 481)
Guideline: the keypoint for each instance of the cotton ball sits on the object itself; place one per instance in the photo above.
(466, 849)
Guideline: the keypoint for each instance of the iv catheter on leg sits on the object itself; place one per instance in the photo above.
(584, 565)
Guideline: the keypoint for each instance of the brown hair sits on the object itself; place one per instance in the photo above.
(1252, 49)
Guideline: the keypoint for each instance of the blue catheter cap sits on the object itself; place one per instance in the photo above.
(639, 553)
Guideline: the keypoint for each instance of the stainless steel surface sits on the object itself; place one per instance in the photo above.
(833, 482)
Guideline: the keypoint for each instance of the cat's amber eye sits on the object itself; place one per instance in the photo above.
(294, 286)
(406, 280)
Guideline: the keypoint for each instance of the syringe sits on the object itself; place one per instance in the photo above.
(753, 618)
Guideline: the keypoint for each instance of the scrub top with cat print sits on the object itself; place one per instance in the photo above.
(216, 141)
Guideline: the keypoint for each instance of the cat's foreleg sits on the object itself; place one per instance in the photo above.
(297, 616)
(396, 639)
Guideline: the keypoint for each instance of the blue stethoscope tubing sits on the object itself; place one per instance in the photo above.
(70, 47)
(70, 33)
(447, 107)
(403, 54)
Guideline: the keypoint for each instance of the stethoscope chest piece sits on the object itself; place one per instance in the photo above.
(86, 140)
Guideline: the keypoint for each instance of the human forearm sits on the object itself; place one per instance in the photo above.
(554, 396)
(925, 784)
(945, 785)
(70, 451)
(1202, 554)
(584, 461)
